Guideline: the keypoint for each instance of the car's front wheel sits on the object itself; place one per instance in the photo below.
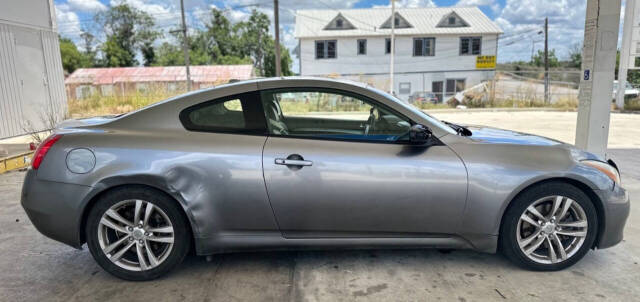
(137, 233)
(549, 227)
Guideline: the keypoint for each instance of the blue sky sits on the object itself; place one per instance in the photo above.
(519, 19)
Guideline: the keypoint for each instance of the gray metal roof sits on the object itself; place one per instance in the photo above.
(311, 23)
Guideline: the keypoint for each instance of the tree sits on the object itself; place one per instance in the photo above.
(89, 49)
(575, 56)
(128, 30)
(254, 37)
(72, 59)
(260, 46)
(270, 60)
(225, 43)
(538, 59)
(115, 55)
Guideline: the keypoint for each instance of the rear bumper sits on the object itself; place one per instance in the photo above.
(54, 208)
(616, 205)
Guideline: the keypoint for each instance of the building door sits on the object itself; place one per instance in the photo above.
(437, 88)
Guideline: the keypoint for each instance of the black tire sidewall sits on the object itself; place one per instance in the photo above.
(182, 234)
(511, 218)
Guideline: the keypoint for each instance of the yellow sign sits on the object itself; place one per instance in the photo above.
(485, 62)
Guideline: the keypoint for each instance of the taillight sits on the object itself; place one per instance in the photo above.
(42, 150)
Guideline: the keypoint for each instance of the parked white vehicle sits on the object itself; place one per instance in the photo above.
(629, 91)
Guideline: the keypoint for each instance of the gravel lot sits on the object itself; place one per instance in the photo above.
(35, 268)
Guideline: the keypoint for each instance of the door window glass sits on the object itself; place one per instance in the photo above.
(331, 115)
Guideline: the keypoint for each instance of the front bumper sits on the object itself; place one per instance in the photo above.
(616, 205)
(54, 208)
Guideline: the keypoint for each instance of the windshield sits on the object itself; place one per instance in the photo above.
(432, 120)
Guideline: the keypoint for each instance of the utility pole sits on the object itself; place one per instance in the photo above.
(546, 60)
(393, 44)
(625, 51)
(185, 46)
(277, 30)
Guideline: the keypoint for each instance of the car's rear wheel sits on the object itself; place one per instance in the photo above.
(137, 233)
(549, 227)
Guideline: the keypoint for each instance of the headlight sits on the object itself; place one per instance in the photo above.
(605, 168)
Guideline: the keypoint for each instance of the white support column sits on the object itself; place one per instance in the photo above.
(598, 66)
(625, 51)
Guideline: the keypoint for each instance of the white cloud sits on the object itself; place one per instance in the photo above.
(166, 14)
(411, 3)
(522, 19)
(86, 5)
(476, 3)
(68, 21)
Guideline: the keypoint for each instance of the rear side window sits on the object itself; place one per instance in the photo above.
(229, 114)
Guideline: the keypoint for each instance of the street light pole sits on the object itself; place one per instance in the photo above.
(185, 46)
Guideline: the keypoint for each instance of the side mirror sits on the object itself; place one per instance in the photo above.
(419, 134)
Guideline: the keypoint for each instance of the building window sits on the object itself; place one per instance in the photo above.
(404, 88)
(339, 23)
(84, 91)
(106, 90)
(142, 88)
(452, 20)
(326, 49)
(396, 21)
(470, 46)
(362, 46)
(454, 86)
(424, 46)
(387, 45)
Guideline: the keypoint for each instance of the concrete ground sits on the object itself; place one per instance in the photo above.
(35, 268)
(624, 130)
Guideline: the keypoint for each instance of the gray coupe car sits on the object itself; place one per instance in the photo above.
(298, 163)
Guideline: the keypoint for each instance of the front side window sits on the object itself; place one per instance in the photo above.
(470, 46)
(387, 45)
(326, 49)
(329, 114)
(424, 46)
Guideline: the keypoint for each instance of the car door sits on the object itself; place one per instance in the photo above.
(340, 165)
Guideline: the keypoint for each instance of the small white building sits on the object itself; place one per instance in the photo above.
(442, 50)
(32, 93)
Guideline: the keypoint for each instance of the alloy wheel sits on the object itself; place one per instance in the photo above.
(552, 229)
(135, 235)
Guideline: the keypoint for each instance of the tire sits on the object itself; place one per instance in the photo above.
(166, 222)
(516, 231)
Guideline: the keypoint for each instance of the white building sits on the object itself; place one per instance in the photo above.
(443, 50)
(31, 76)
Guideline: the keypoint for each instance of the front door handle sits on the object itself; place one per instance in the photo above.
(293, 162)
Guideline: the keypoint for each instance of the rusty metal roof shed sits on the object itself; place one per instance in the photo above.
(199, 74)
